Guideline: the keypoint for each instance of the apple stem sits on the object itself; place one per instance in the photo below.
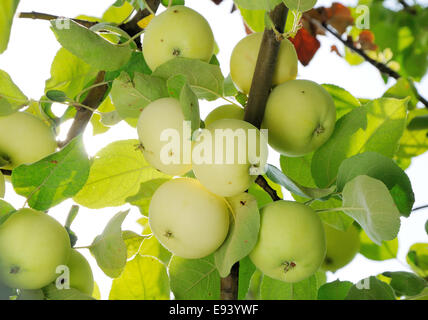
(14, 270)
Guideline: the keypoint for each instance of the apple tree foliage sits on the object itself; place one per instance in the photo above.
(357, 177)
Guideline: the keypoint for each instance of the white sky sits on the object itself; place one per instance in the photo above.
(33, 47)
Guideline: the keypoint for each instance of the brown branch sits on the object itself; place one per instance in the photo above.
(407, 8)
(383, 68)
(93, 100)
(229, 285)
(420, 208)
(96, 95)
(262, 80)
(6, 172)
(261, 181)
(45, 16)
(255, 109)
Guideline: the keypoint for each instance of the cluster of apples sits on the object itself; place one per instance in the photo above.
(190, 217)
(32, 243)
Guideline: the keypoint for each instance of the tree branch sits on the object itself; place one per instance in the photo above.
(93, 100)
(261, 181)
(420, 208)
(255, 110)
(265, 67)
(45, 16)
(96, 94)
(6, 172)
(383, 68)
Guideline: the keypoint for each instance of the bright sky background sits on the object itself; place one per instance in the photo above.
(33, 47)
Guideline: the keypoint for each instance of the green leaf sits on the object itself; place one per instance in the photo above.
(229, 88)
(343, 100)
(205, 79)
(11, 98)
(372, 251)
(7, 12)
(280, 178)
(144, 278)
(406, 283)
(131, 96)
(52, 293)
(2, 185)
(272, 289)
(369, 202)
(417, 258)
(145, 193)
(403, 88)
(336, 219)
(246, 271)
(371, 289)
(298, 169)
(6, 210)
(180, 90)
(413, 143)
(194, 279)
(255, 19)
(55, 178)
(243, 233)
(116, 173)
(118, 13)
(376, 126)
(418, 123)
(261, 195)
(109, 248)
(133, 242)
(56, 95)
(69, 74)
(89, 46)
(165, 3)
(152, 247)
(336, 290)
(137, 64)
(257, 4)
(377, 166)
(300, 5)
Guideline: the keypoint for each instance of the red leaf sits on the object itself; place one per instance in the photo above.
(366, 40)
(339, 17)
(306, 46)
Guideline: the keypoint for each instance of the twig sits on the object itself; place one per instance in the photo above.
(6, 172)
(261, 181)
(97, 93)
(420, 208)
(83, 115)
(407, 8)
(229, 285)
(254, 112)
(383, 68)
(45, 16)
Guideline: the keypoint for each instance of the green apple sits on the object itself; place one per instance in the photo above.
(187, 219)
(155, 120)
(300, 116)
(81, 277)
(342, 246)
(2, 185)
(177, 32)
(228, 170)
(228, 111)
(291, 245)
(244, 58)
(24, 138)
(32, 246)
